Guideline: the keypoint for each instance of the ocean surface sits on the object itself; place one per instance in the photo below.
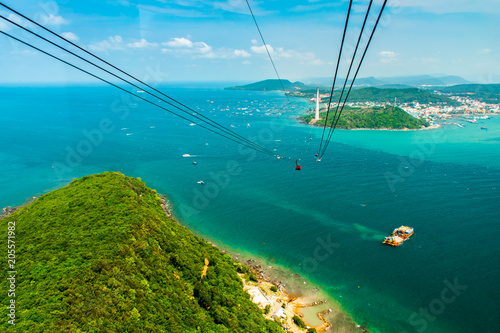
(326, 222)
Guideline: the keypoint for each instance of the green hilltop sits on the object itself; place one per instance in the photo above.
(383, 95)
(271, 84)
(101, 255)
(387, 117)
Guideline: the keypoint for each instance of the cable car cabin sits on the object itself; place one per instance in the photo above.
(297, 166)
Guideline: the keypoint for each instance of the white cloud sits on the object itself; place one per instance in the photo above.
(485, 51)
(202, 47)
(262, 49)
(52, 19)
(142, 44)
(112, 43)
(178, 42)
(308, 58)
(387, 57)
(71, 36)
(241, 53)
(184, 46)
(5, 26)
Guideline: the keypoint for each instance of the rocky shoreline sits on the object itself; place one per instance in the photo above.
(293, 297)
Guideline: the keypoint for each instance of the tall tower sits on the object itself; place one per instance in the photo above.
(316, 116)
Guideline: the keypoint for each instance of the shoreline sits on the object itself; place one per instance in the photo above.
(295, 292)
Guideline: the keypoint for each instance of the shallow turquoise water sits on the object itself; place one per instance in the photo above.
(326, 221)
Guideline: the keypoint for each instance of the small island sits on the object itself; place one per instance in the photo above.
(376, 117)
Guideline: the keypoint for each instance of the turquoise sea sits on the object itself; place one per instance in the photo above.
(325, 222)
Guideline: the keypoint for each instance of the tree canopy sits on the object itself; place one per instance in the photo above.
(373, 117)
(101, 255)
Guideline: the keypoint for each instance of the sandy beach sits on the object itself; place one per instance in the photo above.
(297, 297)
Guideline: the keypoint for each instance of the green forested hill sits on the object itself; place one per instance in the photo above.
(100, 255)
(387, 95)
(374, 117)
(488, 93)
(271, 84)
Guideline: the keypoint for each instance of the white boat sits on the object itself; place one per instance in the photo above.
(192, 124)
(186, 155)
(201, 182)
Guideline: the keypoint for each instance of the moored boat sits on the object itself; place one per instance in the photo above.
(399, 235)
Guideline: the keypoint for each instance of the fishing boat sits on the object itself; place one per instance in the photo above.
(399, 235)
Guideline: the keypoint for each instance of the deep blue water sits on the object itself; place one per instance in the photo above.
(365, 186)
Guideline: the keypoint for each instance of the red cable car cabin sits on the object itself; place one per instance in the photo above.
(297, 166)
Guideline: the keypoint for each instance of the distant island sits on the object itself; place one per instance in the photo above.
(397, 106)
(268, 85)
(367, 94)
(388, 117)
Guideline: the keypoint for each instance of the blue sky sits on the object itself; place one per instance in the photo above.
(199, 40)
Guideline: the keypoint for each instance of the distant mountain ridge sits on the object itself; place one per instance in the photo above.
(409, 81)
(401, 82)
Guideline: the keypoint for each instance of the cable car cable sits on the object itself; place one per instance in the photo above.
(220, 127)
(348, 73)
(355, 75)
(335, 76)
(267, 50)
(131, 93)
(131, 76)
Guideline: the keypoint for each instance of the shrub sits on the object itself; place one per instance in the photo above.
(252, 277)
(299, 322)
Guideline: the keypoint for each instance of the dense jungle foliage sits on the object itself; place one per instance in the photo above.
(373, 117)
(101, 255)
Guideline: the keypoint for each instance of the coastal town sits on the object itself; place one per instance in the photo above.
(467, 107)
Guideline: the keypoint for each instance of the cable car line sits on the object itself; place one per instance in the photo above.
(267, 50)
(334, 125)
(223, 128)
(335, 76)
(220, 127)
(336, 116)
(133, 94)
